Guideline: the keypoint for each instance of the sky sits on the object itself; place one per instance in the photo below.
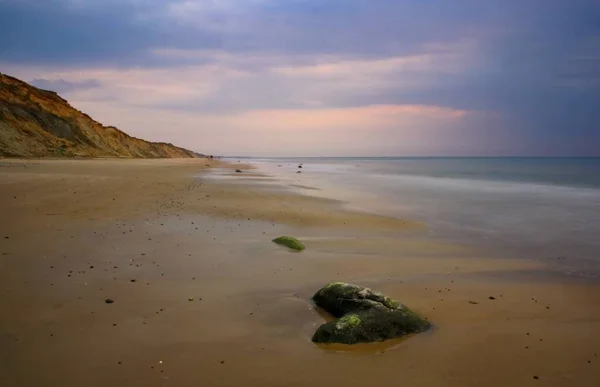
(322, 77)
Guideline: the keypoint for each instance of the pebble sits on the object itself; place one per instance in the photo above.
(108, 301)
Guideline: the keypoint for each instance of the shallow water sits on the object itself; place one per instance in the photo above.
(538, 208)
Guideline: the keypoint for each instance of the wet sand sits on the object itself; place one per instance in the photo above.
(202, 297)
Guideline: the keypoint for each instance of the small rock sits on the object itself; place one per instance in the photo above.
(238, 171)
(492, 297)
(108, 301)
(290, 242)
(473, 302)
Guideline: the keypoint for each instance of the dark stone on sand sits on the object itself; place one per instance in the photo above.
(108, 301)
(299, 166)
(238, 171)
(299, 172)
(492, 297)
(363, 316)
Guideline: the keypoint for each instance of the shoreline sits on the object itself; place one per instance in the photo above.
(81, 232)
(480, 219)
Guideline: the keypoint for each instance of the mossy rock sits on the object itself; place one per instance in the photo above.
(290, 242)
(364, 316)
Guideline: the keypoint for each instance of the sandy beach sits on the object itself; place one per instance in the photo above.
(203, 298)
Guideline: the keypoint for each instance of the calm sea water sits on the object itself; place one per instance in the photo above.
(539, 208)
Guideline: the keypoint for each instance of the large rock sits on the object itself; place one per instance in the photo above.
(364, 316)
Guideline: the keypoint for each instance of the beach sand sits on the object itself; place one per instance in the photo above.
(203, 298)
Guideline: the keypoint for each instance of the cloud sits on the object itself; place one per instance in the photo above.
(341, 68)
(80, 33)
(62, 86)
(529, 67)
(216, 80)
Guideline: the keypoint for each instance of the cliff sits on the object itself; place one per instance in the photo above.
(39, 123)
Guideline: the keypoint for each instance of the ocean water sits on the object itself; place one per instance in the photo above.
(537, 208)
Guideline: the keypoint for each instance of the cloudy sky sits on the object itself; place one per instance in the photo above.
(322, 77)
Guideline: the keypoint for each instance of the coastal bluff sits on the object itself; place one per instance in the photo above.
(39, 123)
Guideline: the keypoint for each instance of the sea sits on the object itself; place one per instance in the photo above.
(527, 208)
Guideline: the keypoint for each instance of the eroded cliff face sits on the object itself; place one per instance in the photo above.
(39, 123)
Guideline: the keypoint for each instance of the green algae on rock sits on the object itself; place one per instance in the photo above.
(290, 242)
(364, 316)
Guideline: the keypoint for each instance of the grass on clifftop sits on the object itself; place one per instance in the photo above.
(290, 242)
